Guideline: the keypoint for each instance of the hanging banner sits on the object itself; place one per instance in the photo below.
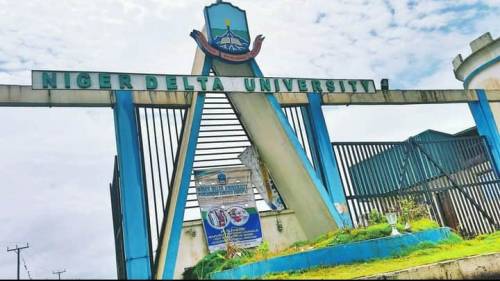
(261, 178)
(228, 208)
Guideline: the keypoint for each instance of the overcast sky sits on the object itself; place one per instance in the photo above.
(56, 163)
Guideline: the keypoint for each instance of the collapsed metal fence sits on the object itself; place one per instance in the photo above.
(454, 178)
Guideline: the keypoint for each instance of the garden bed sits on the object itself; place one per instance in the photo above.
(219, 261)
(452, 249)
(334, 255)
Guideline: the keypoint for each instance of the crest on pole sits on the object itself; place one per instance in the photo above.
(227, 28)
(228, 35)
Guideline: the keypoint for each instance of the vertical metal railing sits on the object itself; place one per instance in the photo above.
(160, 134)
(294, 115)
(222, 138)
(114, 189)
(454, 178)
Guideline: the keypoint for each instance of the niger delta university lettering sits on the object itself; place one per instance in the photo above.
(61, 80)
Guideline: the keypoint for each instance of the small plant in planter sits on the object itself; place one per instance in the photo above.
(411, 211)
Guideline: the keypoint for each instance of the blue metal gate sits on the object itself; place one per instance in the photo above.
(454, 178)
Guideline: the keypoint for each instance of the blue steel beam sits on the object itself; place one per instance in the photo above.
(178, 219)
(133, 199)
(486, 126)
(312, 145)
(483, 116)
(326, 158)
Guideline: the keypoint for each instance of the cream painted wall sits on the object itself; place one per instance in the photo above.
(193, 246)
(485, 50)
(489, 79)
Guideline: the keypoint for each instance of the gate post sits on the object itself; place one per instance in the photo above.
(325, 157)
(133, 198)
(481, 71)
(486, 126)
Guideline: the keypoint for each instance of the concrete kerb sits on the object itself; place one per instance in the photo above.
(486, 266)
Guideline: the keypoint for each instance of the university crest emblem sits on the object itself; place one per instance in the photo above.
(227, 31)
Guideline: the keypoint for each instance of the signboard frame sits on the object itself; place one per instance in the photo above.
(228, 209)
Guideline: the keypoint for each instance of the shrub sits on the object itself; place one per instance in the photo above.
(213, 262)
(375, 217)
(411, 210)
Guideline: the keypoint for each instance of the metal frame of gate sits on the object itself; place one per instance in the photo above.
(455, 178)
(222, 138)
(375, 175)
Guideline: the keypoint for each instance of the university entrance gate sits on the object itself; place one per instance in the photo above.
(221, 139)
(168, 125)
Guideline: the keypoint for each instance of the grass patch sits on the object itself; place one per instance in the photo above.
(217, 261)
(424, 253)
(423, 224)
(345, 236)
